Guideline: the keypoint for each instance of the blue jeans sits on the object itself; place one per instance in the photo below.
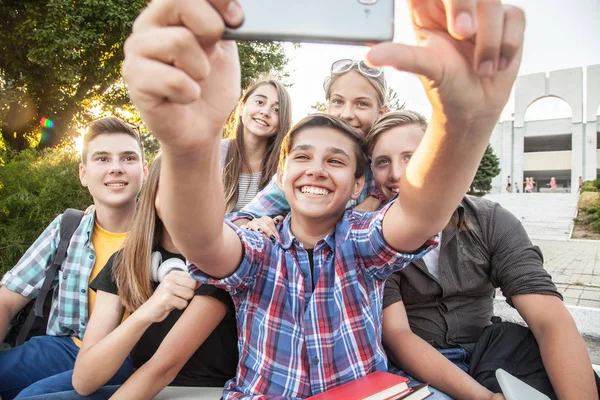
(459, 356)
(44, 364)
(103, 393)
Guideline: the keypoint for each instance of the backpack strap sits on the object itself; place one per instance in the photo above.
(69, 223)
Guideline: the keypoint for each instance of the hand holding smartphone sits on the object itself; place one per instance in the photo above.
(321, 21)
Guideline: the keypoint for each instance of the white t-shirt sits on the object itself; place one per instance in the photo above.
(432, 259)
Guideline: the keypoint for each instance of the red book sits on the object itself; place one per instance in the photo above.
(376, 386)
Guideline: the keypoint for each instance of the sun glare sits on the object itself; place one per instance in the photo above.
(79, 140)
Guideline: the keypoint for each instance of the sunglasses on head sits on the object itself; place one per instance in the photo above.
(346, 64)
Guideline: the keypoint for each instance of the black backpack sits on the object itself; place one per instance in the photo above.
(32, 320)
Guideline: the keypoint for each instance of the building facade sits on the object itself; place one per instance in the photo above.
(564, 148)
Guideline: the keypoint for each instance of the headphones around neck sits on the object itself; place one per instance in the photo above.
(160, 269)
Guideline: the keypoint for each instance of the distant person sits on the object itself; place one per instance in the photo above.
(579, 184)
(532, 183)
(552, 184)
(508, 185)
(527, 188)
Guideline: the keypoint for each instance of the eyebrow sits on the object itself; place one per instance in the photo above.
(334, 150)
(263, 96)
(123, 153)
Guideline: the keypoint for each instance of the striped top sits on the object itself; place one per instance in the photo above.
(247, 188)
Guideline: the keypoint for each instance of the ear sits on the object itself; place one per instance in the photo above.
(359, 183)
(82, 174)
(145, 171)
(384, 110)
(280, 178)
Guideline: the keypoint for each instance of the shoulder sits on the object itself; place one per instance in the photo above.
(487, 211)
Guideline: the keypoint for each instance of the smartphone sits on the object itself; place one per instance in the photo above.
(318, 21)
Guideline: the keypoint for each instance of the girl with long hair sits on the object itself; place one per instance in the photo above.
(250, 153)
(178, 333)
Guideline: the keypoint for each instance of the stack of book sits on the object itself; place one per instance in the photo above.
(376, 386)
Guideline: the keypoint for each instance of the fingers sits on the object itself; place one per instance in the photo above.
(414, 59)
(175, 85)
(206, 19)
(460, 17)
(266, 226)
(512, 38)
(176, 46)
(490, 17)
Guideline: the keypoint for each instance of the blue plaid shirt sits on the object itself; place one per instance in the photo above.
(296, 340)
(271, 201)
(69, 312)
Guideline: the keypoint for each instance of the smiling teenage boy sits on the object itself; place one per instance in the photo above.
(305, 330)
(112, 168)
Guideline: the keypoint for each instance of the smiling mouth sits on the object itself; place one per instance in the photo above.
(394, 189)
(314, 190)
(260, 122)
(116, 184)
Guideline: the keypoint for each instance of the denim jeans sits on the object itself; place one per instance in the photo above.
(44, 364)
(103, 393)
(459, 356)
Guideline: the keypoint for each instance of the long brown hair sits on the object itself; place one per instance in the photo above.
(236, 160)
(131, 267)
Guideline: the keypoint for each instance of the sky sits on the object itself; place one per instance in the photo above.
(560, 34)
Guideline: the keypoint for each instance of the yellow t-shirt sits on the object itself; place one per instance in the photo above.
(105, 244)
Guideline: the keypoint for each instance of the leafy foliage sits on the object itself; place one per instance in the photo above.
(61, 59)
(488, 169)
(35, 187)
(591, 186)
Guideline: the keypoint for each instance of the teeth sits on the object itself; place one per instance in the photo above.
(115, 184)
(395, 190)
(314, 190)
(260, 122)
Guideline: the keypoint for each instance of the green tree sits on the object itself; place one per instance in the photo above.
(488, 169)
(58, 57)
(318, 107)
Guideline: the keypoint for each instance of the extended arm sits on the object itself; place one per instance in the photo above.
(195, 84)
(478, 46)
(563, 350)
(420, 359)
(198, 321)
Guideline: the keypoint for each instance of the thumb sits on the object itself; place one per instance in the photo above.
(414, 59)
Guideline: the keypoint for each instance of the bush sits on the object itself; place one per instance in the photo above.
(591, 186)
(35, 186)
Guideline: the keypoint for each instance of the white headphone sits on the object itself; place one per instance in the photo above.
(160, 269)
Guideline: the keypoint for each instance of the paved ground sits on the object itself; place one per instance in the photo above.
(575, 269)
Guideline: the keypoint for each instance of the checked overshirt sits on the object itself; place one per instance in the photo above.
(295, 340)
(69, 312)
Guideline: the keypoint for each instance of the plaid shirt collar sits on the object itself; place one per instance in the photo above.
(338, 234)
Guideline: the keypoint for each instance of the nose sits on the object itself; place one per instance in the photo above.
(116, 168)
(396, 172)
(316, 171)
(346, 113)
(266, 112)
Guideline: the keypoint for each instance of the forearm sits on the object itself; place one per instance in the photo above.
(146, 382)
(566, 361)
(97, 364)
(438, 176)
(192, 200)
(421, 360)
(5, 318)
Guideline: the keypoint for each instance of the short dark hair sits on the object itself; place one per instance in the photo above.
(109, 125)
(328, 121)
